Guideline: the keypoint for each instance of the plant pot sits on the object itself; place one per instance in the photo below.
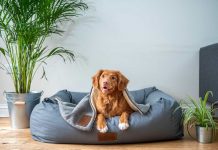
(20, 106)
(204, 135)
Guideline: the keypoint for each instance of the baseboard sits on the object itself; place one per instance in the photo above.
(4, 110)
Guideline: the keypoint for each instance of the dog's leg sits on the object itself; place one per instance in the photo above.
(101, 123)
(123, 122)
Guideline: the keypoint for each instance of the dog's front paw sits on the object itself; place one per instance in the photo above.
(123, 126)
(102, 128)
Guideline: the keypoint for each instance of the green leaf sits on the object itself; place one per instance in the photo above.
(207, 96)
(2, 50)
(44, 74)
(61, 52)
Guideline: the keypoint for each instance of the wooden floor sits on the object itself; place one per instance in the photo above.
(21, 140)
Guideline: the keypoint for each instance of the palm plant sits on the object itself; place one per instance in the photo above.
(24, 26)
(198, 113)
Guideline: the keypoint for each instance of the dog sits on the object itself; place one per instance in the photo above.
(108, 86)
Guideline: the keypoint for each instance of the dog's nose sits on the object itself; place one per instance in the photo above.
(105, 82)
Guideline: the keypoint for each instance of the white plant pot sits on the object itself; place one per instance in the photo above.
(20, 106)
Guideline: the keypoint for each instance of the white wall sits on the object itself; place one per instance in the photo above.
(152, 42)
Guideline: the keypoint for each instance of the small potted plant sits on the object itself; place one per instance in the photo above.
(24, 27)
(197, 113)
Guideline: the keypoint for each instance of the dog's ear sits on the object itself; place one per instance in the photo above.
(95, 79)
(122, 81)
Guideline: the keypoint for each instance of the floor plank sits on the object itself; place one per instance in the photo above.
(11, 139)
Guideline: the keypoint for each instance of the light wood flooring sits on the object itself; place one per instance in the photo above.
(21, 140)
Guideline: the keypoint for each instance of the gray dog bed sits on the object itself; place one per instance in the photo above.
(58, 119)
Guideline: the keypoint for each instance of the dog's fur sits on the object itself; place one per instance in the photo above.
(109, 100)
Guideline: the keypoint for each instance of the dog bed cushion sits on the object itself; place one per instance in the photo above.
(161, 122)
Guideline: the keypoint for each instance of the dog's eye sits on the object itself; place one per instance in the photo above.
(113, 78)
(102, 76)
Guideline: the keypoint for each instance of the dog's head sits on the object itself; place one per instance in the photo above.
(109, 81)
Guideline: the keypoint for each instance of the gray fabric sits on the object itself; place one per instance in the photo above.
(72, 112)
(159, 123)
(208, 72)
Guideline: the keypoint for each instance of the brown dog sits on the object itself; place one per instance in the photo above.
(109, 100)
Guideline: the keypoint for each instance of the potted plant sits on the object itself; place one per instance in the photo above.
(24, 26)
(198, 114)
